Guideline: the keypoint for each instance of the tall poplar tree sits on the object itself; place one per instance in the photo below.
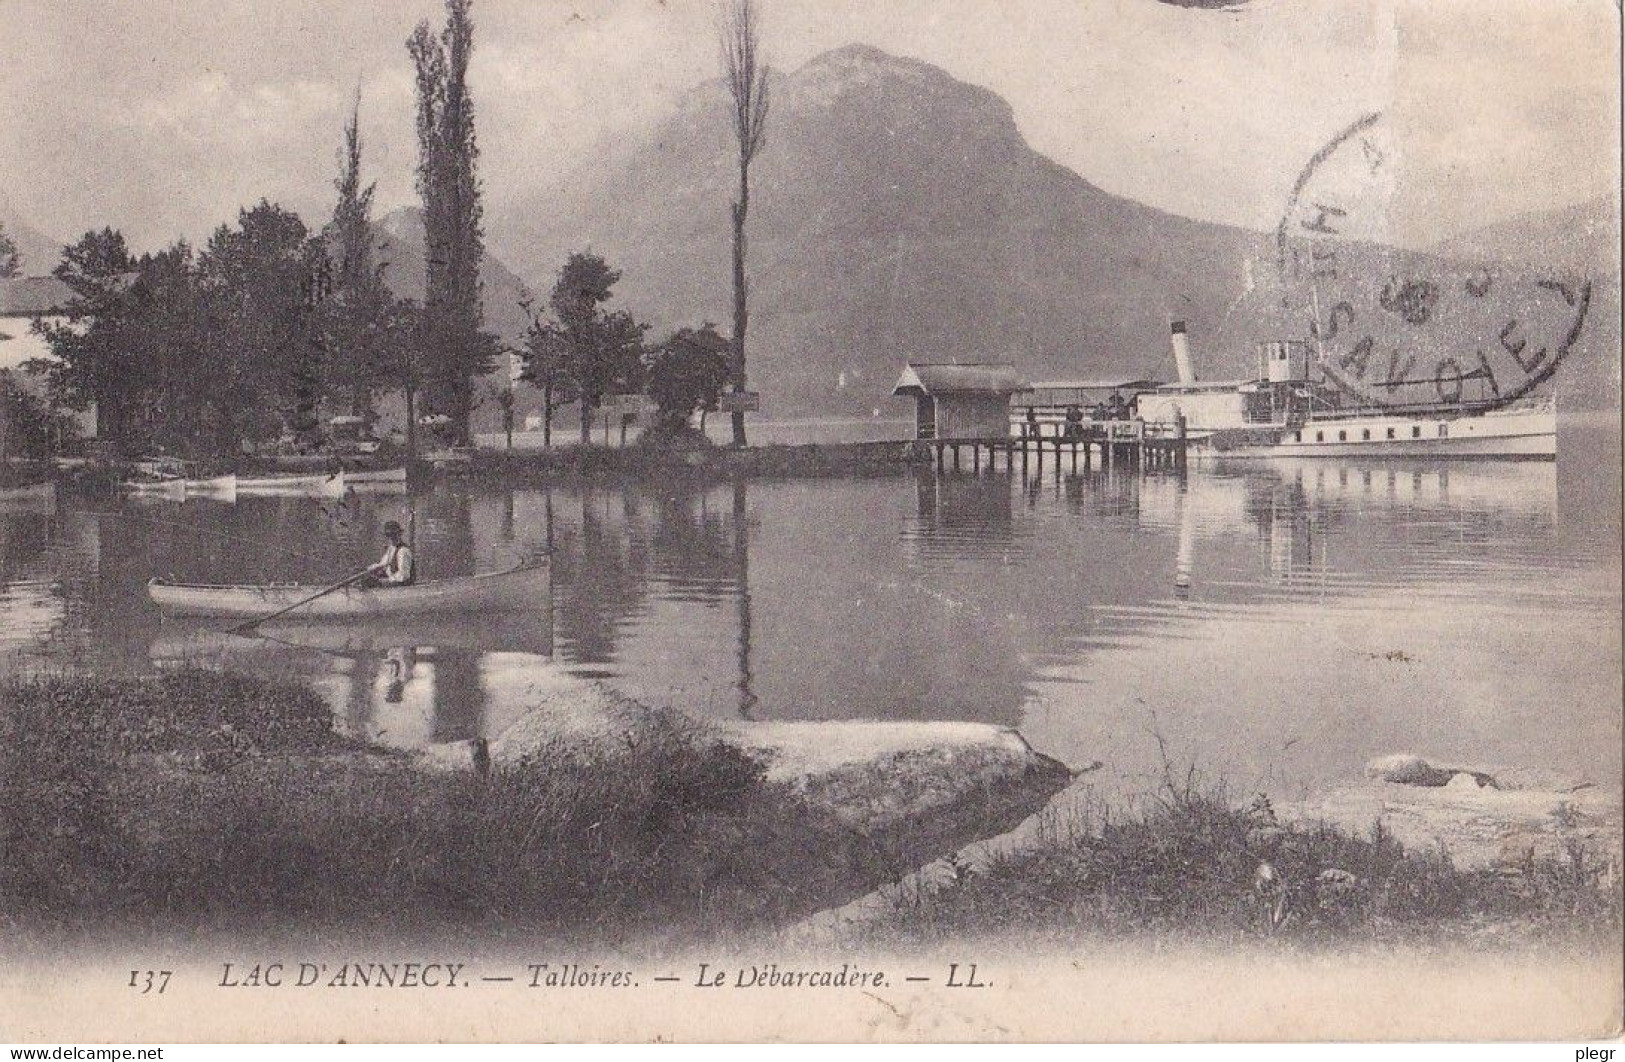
(359, 316)
(457, 348)
(746, 75)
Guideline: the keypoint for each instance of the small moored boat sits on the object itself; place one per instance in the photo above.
(318, 486)
(163, 477)
(163, 488)
(43, 489)
(519, 588)
(34, 492)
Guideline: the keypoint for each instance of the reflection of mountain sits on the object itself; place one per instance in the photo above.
(941, 598)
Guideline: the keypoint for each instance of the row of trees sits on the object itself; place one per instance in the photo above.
(271, 327)
(249, 340)
(584, 352)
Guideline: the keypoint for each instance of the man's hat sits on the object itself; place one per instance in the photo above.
(391, 527)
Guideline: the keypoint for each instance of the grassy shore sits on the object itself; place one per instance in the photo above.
(702, 460)
(206, 800)
(210, 799)
(1191, 865)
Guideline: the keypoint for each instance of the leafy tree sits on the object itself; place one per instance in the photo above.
(262, 284)
(179, 400)
(96, 358)
(687, 374)
(746, 75)
(454, 239)
(605, 348)
(29, 427)
(133, 344)
(11, 263)
(548, 364)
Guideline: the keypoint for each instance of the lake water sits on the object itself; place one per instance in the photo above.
(1334, 611)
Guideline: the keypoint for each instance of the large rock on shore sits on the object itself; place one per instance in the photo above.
(873, 776)
(947, 783)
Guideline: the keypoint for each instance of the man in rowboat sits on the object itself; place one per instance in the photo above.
(396, 567)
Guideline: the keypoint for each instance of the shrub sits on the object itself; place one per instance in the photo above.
(1192, 864)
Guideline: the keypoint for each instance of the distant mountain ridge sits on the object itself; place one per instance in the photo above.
(898, 214)
(1582, 239)
(39, 253)
(400, 237)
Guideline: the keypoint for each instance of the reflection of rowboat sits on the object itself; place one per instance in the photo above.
(222, 488)
(509, 633)
(375, 488)
(519, 588)
(320, 486)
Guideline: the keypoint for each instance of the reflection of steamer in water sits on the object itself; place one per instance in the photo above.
(1282, 412)
(1300, 509)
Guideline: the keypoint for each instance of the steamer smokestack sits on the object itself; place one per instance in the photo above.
(1182, 353)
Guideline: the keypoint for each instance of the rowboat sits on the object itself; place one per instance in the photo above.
(353, 477)
(44, 489)
(525, 587)
(319, 486)
(42, 494)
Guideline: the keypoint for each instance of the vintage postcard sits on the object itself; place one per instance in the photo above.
(810, 520)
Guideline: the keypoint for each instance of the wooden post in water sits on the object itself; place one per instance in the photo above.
(1179, 440)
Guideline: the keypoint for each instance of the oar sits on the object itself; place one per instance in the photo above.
(251, 624)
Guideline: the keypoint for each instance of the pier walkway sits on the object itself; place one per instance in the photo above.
(1074, 447)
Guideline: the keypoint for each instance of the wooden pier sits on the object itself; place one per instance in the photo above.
(1108, 445)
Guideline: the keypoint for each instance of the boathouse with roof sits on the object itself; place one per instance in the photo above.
(961, 401)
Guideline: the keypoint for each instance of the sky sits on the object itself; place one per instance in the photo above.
(163, 117)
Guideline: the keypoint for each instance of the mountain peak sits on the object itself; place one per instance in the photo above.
(876, 78)
(861, 65)
(857, 56)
